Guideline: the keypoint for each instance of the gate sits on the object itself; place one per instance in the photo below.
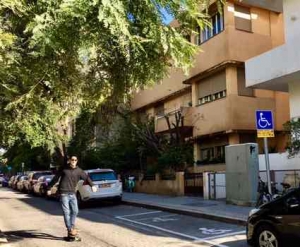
(193, 184)
(217, 186)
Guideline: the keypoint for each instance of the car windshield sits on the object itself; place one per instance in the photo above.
(39, 174)
(100, 176)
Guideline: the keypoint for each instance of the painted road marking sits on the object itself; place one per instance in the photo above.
(172, 232)
(163, 219)
(226, 235)
(212, 231)
(153, 217)
(130, 215)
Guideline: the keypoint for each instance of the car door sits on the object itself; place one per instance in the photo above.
(291, 215)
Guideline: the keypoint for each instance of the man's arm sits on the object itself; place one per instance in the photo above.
(85, 177)
(55, 179)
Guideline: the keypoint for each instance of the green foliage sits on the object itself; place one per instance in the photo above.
(33, 158)
(57, 56)
(84, 133)
(293, 146)
(176, 157)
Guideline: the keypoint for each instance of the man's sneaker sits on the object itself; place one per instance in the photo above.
(73, 232)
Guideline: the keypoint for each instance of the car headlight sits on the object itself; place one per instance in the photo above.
(253, 211)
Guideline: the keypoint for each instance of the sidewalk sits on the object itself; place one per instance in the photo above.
(194, 206)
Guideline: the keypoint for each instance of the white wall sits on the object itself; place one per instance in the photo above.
(279, 162)
(291, 10)
(294, 90)
(281, 61)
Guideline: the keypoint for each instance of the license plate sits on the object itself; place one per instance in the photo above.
(104, 185)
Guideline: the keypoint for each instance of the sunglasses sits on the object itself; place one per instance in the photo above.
(73, 159)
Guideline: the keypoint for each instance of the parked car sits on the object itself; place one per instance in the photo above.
(32, 179)
(40, 187)
(15, 181)
(276, 223)
(1, 178)
(109, 187)
(10, 182)
(54, 192)
(5, 182)
(20, 183)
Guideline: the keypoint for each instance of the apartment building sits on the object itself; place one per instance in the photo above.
(217, 107)
(279, 69)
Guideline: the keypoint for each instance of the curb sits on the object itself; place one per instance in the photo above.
(187, 212)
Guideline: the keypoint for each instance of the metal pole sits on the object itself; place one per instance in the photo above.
(267, 165)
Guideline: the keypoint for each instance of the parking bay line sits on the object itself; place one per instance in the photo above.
(172, 232)
(224, 235)
(130, 215)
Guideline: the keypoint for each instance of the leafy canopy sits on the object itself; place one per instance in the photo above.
(59, 55)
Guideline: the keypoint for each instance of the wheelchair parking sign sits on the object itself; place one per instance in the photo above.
(264, 124)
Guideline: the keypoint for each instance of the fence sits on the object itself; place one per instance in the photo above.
(193, 184)
(216, 185)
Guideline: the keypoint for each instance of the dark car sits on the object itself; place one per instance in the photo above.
(277, 223)
(1, 178)
(5, 182)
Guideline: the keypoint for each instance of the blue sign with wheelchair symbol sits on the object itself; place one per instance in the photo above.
(264, 120)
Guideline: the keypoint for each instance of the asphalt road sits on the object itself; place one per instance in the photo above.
(32, 221)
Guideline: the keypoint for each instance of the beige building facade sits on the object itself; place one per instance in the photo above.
(279, 68)
(217, 107)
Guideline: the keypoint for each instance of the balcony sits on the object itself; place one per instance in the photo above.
(235, 113)
(274, 5)
(161, 124)
(230, 45)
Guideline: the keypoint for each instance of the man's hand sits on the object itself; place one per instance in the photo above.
(49, 193)
(94, 188)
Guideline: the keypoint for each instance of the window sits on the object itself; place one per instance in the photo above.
(102, 176)
(207, 154)
(242, 16)
(220, 154)
(212, 88)
(159, 110)
(212, 97)
(217, 22)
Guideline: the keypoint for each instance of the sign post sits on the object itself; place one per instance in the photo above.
(265, 129)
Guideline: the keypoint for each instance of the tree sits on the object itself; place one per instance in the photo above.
(293, 146)
(57, 56)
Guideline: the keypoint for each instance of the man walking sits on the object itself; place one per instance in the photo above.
(69, 177)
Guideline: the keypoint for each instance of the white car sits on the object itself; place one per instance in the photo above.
(109, 187)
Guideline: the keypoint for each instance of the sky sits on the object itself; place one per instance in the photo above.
(168, 18)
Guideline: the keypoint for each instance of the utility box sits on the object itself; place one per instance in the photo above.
(242, 171)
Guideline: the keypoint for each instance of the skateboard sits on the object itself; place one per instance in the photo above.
(72, 239)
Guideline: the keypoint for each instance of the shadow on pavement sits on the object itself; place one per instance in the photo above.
(14, 236)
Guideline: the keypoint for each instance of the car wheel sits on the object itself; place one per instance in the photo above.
(266, 236)
(79, 200)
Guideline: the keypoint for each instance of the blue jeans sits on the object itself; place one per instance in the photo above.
(70, 209)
